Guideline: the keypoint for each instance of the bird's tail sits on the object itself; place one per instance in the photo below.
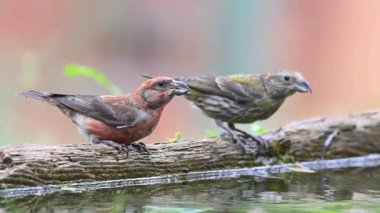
(41, 96)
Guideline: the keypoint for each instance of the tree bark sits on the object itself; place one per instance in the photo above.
(32, 165)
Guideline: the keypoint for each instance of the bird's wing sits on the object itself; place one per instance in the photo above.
(240, 88)
(118, 112)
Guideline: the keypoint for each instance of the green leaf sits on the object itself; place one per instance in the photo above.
(257, 129)
(211, 133)
(73, 70)
(175, 138)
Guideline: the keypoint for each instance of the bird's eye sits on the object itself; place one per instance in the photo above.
(161, 84)
(286, 78)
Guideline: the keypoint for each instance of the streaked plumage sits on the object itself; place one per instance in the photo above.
(243, 98)
(117, 121)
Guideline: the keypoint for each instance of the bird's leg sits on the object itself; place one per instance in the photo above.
(235, 137)
(140, 147)
(263, 144)
(121, 148)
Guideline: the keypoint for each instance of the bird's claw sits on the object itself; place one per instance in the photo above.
(264, 146)
(122, 149)
(240, 142)
(140, 147)
(240, 139)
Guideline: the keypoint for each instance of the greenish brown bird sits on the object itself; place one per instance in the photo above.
(243, 98)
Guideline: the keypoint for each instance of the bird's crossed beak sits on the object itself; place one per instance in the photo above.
(303, 86)
(180, 88)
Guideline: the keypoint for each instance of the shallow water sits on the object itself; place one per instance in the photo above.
(353, 190)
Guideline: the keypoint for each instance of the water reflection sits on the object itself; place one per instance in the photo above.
(345, 189)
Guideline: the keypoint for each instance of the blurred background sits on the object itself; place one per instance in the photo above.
(335, 44)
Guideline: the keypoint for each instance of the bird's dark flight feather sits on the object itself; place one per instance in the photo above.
(92, 106)
(224, 87)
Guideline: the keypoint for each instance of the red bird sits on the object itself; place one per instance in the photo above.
(117, 121)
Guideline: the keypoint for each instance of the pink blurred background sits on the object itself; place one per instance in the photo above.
(335, 44)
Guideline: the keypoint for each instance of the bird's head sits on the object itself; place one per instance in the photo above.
(285, 82)
(158, 91)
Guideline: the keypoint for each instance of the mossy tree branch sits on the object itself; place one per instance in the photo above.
(31, 165)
